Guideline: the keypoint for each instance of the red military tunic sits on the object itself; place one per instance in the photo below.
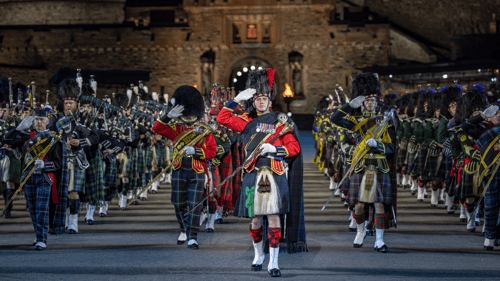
(286, 145)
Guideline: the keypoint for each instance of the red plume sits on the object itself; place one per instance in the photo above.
(270, 76)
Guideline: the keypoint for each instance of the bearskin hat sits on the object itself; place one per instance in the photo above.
(68, 90)
(121, 100)
(191, 99)
(472, 101)
(365, 84)
(448, 95)
(323, 105)
(402, 102)
(433, 104)
(413, 104)
(86, 91)
(389, 99)
(263, 82)
(424, 98)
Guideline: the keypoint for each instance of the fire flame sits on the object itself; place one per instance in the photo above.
(288, 91)
(194, 85)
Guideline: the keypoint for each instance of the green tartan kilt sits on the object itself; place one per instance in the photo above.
(132, 171)
(465, 188)
(15, 168)
(419, 162)
(429, 173)
(384, 181)
(94, 185)
(148, 157)
(400, 160)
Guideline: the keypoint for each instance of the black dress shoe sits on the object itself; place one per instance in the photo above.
(90, 222)
(144, 199)
(136, 202)
(413, 192)
(420, 200)
(153, 191)
(219, 221)
(209, 230)
(7, 214)
(102, 215)
(352, 229)
(488, 248)
(39, 248)
(383, 249)
(275, 273)
(370, 232)
(472, 230)
(463, 220)
(357, 245)
(440, 202)
(71, 231)
(256, 267)
(194, 247)
(180, 242)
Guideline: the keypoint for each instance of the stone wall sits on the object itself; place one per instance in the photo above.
(61, 12)
(332, 53)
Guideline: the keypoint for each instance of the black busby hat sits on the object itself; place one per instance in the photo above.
(263, 81)
(191, 99)
(86, 91)
(473, 100)
(365, 84)
(122, 100)
(323, 105)
(449, 96)
(68, 90)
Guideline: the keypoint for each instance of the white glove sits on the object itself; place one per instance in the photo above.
(189, 150)
(357, 102)
(267, 148)
(39, 164)
(371, 143)
(26, 123)
(245, 95)
(489, 112)
(176, 111)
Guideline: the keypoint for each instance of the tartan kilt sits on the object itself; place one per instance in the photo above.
(225, 193)
(444, 169)
(15, 168)
(249, 181)
(141, 160)
(161, 155)
(465, 188)
(384, 181)
(94, 191)
(111, 175)
(132, 171)
(429, 173)
(419, 162)
(79, 176)
(410, 160)
(148, 157)
(400, 160)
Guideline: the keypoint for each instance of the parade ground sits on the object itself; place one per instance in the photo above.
(140, 244)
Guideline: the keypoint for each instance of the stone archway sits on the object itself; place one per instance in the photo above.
(239, 72)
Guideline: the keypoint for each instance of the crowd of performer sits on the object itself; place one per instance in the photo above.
(439, 143)
(230, 153)
(234, 154)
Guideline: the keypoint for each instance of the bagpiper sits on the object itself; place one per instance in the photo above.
(370, 182)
